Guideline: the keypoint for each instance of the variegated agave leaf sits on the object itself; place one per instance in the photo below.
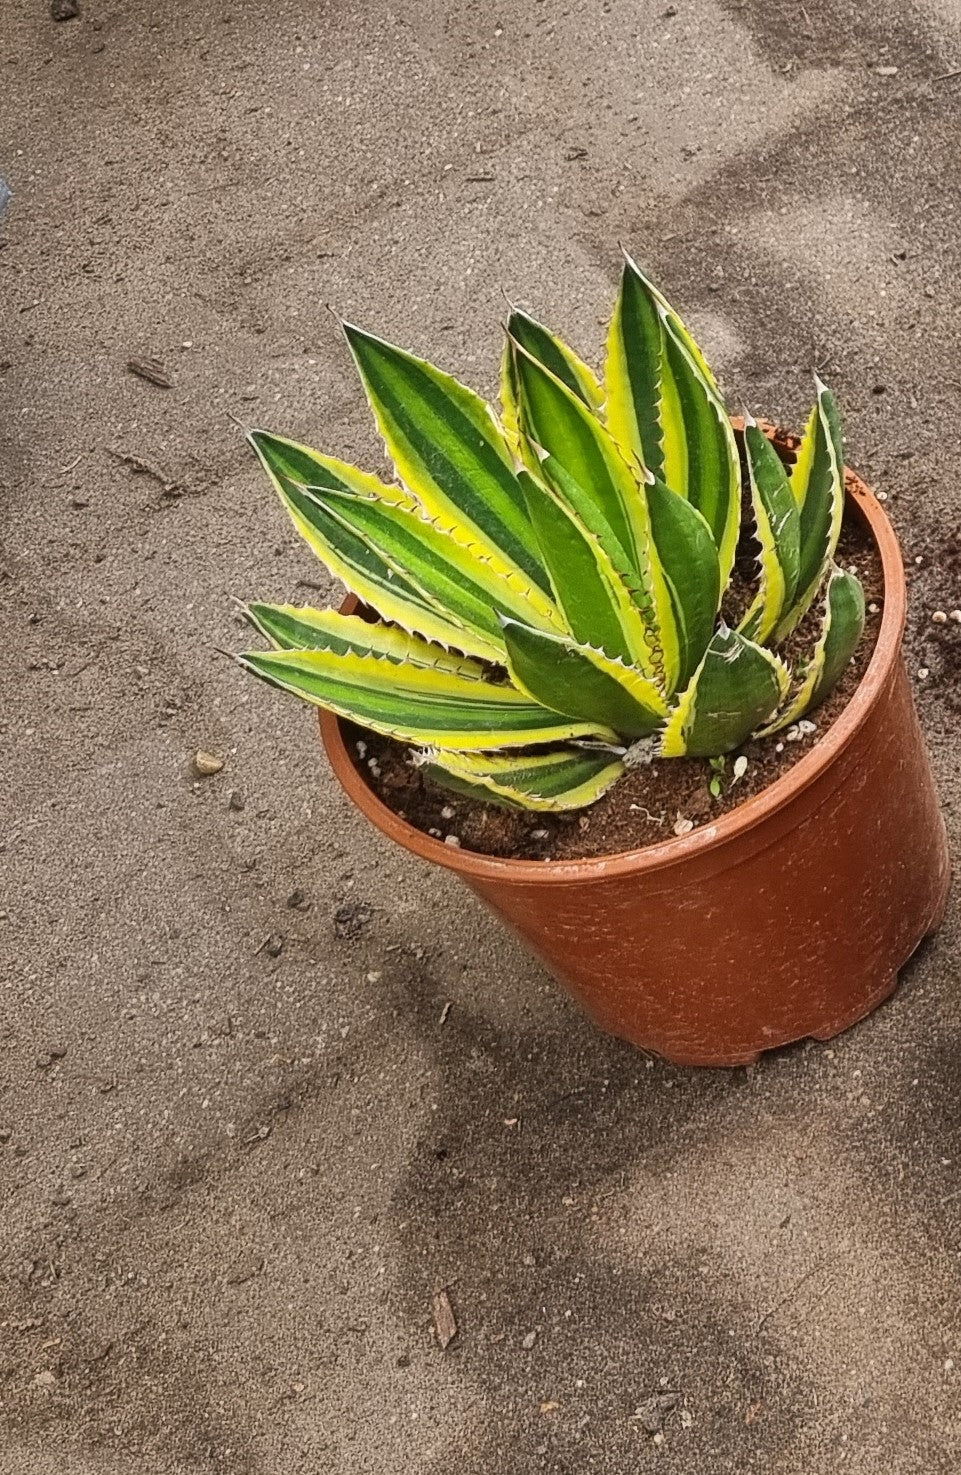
(817, 482)
(777, 526)
(841, 630)
(580, 681)
(465, 583)
(415, 704)
(663, 405)
(737, 687)
(568, 778)
(447, 448)
(289, 627)
(660, 544)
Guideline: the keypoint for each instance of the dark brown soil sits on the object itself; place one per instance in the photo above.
(647, 804)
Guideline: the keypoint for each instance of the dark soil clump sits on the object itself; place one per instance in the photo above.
(649, 804)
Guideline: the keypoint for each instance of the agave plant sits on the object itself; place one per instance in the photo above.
(547, 586)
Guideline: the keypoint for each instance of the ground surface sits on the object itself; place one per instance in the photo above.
(232, 1181)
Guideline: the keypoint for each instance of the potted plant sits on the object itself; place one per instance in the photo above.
(614, 598)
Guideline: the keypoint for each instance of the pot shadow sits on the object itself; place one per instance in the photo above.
(545, 1196)
(823, 33)
(536, 1136)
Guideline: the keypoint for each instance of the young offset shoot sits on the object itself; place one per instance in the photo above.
(549, 581)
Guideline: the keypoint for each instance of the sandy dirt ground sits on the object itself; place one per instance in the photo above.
(231, 1182)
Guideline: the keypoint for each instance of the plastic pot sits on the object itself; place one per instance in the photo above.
(789, 917)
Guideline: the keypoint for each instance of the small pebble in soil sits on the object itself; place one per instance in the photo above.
(447, 812)
(540, 834)
(939, 617)
(873, 609)
(452, 840)
(236, 801)
(683, 826)
(923, 673)
(779, 747)
(361, 749)
(274, 945)
(955, 615)
(207, 764)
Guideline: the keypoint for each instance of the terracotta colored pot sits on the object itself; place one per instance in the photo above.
(788, 917)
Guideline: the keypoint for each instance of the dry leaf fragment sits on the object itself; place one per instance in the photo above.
(654, 1410)
(445, 1323)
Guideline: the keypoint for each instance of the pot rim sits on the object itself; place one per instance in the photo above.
(706, 838)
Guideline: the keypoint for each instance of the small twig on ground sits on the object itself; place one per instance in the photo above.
(152, 370)
(445, 1322)
(142, 467)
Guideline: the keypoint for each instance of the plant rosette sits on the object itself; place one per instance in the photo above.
(561, 598)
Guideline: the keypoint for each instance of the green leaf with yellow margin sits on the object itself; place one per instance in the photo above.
(556, 356)
(510, 412)
(678, 593)
(777, 524)
(556, 420)
(685, 557)
(581, 682)
(290, 466)
(817, 483)
(292, 627)
(594, 595)
(736, 688)
(428, 577)
(470, 585)
(663, 407)
(413, 704)
(568, 778)
(448, 449)
(841, 630)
